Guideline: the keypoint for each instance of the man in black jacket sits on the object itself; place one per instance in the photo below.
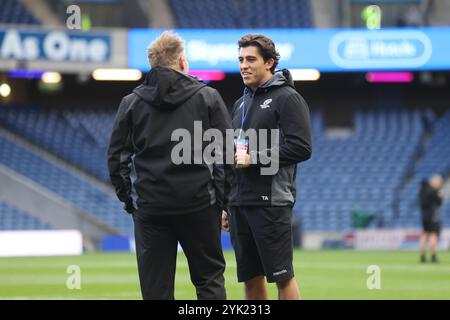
(430, 203)
(170, 200)
(261, 201)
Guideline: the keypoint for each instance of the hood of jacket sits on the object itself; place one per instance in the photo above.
(166, 88)
(279, 78)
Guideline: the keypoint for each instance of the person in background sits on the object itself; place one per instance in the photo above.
(430, 202)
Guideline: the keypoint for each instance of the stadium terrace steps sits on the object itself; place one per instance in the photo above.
(42, 11)
(74, 189)
(53, 158)
(160, 14)
(50, 208)
(12, 218)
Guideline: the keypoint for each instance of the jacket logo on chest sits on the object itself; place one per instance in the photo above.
(266, 104)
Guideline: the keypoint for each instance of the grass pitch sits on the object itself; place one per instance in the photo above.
(321, 275)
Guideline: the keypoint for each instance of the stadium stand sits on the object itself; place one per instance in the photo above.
(435, 159)
(277, 14)
(205, 14)
(82, 194)
(14, 12)
(77, 137)
(377, 168)
(12, 218)
(242, 14)
(365, 170)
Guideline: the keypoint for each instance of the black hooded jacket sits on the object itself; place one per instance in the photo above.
(430, 202)
(274, 105)
(140, 150)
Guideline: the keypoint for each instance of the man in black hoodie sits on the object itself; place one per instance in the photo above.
(261, 201)
(171, 201)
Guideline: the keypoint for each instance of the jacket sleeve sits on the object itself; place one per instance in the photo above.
(222, 172)
(120, 151)
(437, 199)
(295, 130)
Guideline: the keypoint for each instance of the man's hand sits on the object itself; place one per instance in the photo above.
(242, 160)
(129, 207)
(225, 222)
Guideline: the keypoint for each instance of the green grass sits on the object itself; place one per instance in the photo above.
(321, 275)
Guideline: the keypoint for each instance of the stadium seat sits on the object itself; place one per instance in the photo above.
(12, 218)
(101, 203)
(242, 13)
(14, 12)
(366, 169)
(376, 168)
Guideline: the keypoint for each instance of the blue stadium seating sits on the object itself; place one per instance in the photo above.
(12, 218)
(242, 13)
(78, 137)
(14, 12)
(375, 168)
(82, 194)
(276, 14)
(435, 159)
(205, 14)
(367, 169)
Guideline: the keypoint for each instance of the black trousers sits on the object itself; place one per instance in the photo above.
(157, 238)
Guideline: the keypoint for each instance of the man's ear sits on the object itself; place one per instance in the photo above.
(269, 64)
(182, 64)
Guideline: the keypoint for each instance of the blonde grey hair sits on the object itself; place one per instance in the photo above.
(436, 181)
(165, 50)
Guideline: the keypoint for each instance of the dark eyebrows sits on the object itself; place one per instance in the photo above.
(247, 57)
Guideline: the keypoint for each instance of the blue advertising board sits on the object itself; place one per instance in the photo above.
(328, 50)
(55, 46)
